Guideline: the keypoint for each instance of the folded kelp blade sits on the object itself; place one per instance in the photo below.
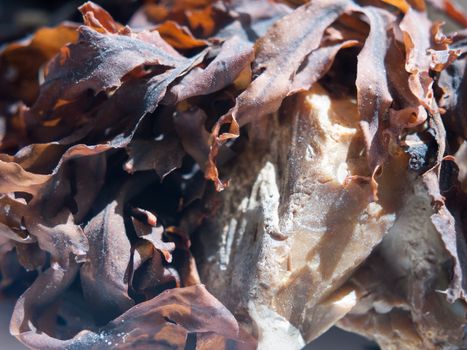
(104, 276)
(44, 211)
(168, 321)
(279, 55)
(108, 58)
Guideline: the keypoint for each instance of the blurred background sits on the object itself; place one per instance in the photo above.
(20, 17)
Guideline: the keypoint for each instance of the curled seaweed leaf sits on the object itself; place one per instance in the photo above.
(118, 139)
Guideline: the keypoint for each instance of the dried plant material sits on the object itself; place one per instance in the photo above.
(285, 45)
(452, 83)
(154, 235)
(179, 37)
(234, 54)
(67, 77)
(164, 322)
(303, 159)
(162, 156)
(99, 19)
(373, 94)
(103, 277)
(453, 9)
(19, 73)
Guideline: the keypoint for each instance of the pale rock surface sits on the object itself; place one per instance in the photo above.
(293, 227)
(401, 303)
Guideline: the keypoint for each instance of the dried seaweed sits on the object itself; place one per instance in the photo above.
(117, 140)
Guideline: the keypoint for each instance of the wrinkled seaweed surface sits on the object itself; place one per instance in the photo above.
(114, 137)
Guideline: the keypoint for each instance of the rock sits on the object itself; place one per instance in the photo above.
(400, 299)
(294, 226)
